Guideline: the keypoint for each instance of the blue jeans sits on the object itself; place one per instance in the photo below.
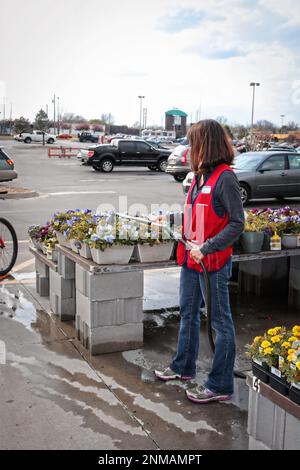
(191, 298)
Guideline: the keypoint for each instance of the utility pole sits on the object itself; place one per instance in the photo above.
(58, 115)
(282, 118)
(54, 101)
(141, 97)
(253, 85)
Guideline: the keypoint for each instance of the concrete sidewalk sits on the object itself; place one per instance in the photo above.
(54, 396)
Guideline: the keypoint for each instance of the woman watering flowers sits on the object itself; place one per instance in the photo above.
(213, 220)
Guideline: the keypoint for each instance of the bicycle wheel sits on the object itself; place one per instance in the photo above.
(8, 247)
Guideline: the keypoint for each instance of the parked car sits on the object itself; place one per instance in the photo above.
(35, 136)
(280, 149)
(88, 137)
(127, 153)
(264, 175)
(64, 136)
(179, 163)
(7, 171)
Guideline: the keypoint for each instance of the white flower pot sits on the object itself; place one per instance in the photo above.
(146, 253)
(37, 244)
(289, 240)
(85, 251)
(62, 240)
(115, 254)
(73, 246)
(44, 249)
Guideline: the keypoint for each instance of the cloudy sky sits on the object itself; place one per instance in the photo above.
(197, 55)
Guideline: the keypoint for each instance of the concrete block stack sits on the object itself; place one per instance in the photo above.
(294, 282)
(42, 278)
(109, 310)
(62, 289)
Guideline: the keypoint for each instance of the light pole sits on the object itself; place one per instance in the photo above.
(141, 97)
(58, 115)
(54, 101)
(253, 84)
(282, 118)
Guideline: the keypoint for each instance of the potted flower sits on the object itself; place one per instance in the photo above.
(287, 223)
(110, 243)
(258, 353)
(154, 244)
(292, 364)
(33, 232)
(253, 236)
(80, 226)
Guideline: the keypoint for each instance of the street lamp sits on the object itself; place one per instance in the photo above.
(253, 84)
(141, 97)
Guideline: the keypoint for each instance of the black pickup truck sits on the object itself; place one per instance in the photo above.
(126, 152)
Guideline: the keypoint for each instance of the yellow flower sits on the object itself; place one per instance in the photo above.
(291, 351)
(285, 344)
(298, 365)
(265, 344)
(291, 339)
(291, 357)
(296, 329)
(268, 351)
(256, 339)
(276, 339)
(272, 331)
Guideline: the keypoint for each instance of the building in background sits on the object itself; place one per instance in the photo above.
(176, 121)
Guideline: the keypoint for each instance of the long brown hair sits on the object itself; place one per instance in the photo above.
(210, 146)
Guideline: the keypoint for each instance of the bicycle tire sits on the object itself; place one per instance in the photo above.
(15, 247)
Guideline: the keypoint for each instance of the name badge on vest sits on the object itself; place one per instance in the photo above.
(206, 190)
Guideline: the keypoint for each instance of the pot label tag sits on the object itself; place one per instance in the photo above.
(276, 372)
(206, 190)
(296, 385)
(280, 361)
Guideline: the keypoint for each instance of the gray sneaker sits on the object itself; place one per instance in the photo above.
(168, 374)
(203, 395)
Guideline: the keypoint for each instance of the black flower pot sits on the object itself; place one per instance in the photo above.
(266, 242)
(252, 241)
(279, 384)
(261, 372)
(294, 395)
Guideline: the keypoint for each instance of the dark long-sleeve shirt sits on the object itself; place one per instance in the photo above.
(226, 199)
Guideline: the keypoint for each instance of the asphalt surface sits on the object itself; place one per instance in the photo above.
(53, 395)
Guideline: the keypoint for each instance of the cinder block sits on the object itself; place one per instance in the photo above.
(295, 262)
(41, 268)
(64, 308)
(109, 286)
(292, 433)
(42, 285)
(64, 288)
(109, 312)
(254, 444)
(107, 339)
(66, 267)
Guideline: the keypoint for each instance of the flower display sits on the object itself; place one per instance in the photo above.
(44, 234)
(279, 348)
(284, 220)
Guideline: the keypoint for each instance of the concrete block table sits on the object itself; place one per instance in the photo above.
(273, 420)
(106, 301)
(109, 302)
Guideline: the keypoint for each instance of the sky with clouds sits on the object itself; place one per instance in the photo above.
(197, 55)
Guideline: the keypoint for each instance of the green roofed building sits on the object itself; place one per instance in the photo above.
(176, 121)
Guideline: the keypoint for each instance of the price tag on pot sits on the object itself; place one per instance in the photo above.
(280, 361)
(275, 371)
(296, 385)
(292, 366)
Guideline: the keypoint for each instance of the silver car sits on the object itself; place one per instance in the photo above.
(264, 175)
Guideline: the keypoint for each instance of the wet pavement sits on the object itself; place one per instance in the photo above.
(53, 395)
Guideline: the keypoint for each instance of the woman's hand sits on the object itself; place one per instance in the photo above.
(195, 252)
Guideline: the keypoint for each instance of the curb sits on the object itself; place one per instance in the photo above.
(25, 195)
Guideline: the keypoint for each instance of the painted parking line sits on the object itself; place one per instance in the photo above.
(70, 193)
(20, 266)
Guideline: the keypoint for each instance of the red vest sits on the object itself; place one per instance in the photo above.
(201, 223)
